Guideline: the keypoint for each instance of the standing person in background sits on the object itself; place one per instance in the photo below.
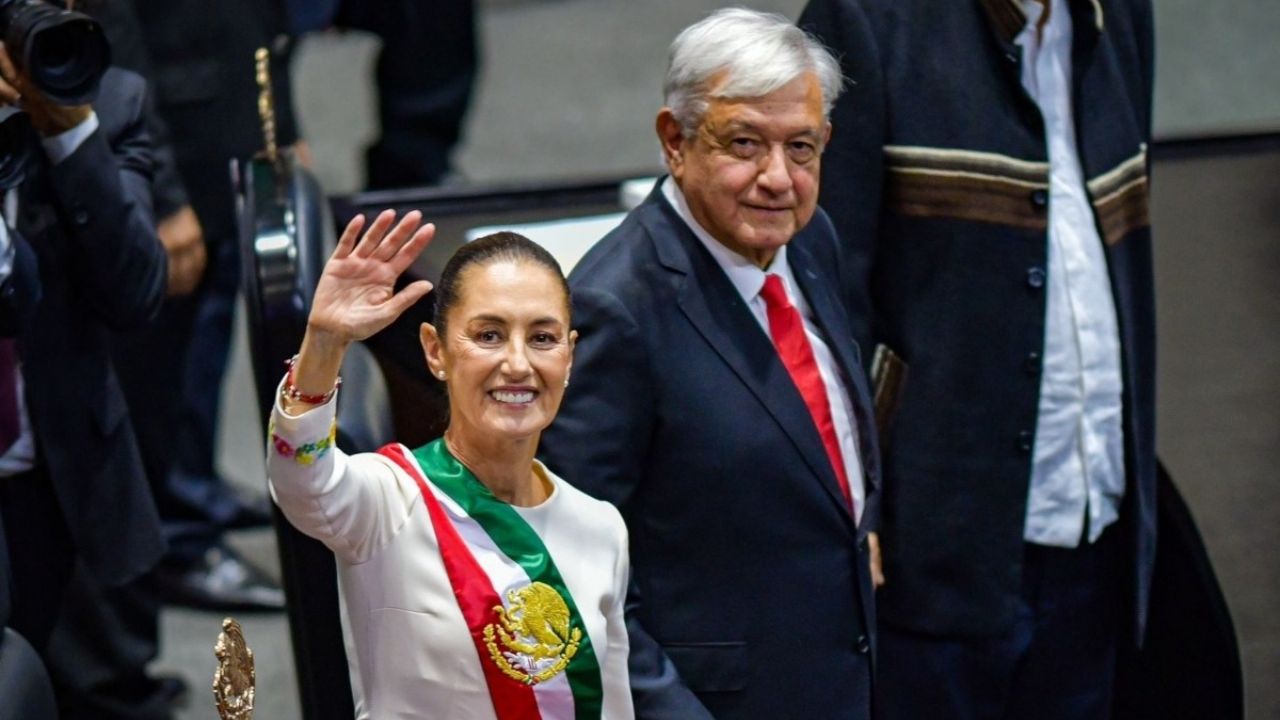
(988, 178)
(107, 636)
(202, 59)
(203, 110)
(719, 401)
(426, 73)
(72, 486)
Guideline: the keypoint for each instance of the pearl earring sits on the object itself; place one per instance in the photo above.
(440, 374)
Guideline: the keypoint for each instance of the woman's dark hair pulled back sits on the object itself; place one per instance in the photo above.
(498, 247)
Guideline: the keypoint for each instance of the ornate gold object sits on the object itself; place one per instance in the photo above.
(233, 681)
(534, 631)
(266, 104)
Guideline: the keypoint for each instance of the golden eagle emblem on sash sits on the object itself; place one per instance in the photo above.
(532, 640)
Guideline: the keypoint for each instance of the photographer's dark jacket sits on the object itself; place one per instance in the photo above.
(937, 181)
(89, 220)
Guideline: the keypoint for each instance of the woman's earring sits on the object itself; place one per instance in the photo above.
(566, 382)
(440, 374)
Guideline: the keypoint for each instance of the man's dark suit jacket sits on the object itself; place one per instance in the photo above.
(751, 595)
(101, 267)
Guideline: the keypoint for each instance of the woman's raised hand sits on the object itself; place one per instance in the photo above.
(356, 296)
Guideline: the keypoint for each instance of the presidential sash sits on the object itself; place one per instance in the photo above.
(529, 636)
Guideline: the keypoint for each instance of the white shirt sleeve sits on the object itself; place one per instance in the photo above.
(60, 147)
(354, 504)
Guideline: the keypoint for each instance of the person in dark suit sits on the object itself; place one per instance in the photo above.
(107, 636)
(425, 73)
(988, 178)
(200, 60)
(72, 488)
(718, 400)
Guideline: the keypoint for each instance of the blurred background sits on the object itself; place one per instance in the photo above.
(568, 89)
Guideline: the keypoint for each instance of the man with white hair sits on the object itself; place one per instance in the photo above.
(718, 400)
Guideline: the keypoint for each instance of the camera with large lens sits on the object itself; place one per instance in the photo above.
(65, 54)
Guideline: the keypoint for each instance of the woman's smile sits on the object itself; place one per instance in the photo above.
(519, 396)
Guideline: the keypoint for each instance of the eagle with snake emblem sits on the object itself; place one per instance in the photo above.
(532, 641)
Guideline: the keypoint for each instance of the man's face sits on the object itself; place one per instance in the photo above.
(750, 172)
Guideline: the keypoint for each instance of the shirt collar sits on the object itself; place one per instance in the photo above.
(1032, 35)
(746, 276)
(1009, 17)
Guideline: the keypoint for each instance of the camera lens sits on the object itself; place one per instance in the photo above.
(64, 52)
(66, 58)
(55, 53)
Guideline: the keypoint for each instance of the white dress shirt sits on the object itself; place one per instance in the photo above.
(748, 280)
(1078, 463)
(21, 456)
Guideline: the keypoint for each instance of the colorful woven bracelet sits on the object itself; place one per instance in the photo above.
(291, 392)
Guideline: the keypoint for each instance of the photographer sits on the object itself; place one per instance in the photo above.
(71, 484)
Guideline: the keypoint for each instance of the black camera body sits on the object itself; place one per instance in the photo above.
(65, 54)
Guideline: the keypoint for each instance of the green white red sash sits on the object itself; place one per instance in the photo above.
(531, 641)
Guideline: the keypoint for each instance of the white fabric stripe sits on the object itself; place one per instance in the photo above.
(1097, 184)
(996, 160)
(555, 696)
(1121, 190)
(967, 174)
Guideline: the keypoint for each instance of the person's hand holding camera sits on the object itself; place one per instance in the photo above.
(47, 117)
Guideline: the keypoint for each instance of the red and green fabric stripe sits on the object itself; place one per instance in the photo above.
(432, 466)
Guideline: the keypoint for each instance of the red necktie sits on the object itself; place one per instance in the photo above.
(9, 423)
(787, 328)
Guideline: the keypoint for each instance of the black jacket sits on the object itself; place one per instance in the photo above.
(936, 179)
(751, 596)
(101, 268)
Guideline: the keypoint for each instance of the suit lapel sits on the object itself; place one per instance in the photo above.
(716, 310)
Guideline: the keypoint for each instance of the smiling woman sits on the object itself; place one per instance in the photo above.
(477, 582)
(503, 345)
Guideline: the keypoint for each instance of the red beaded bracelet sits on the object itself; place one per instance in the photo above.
(291, 391)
